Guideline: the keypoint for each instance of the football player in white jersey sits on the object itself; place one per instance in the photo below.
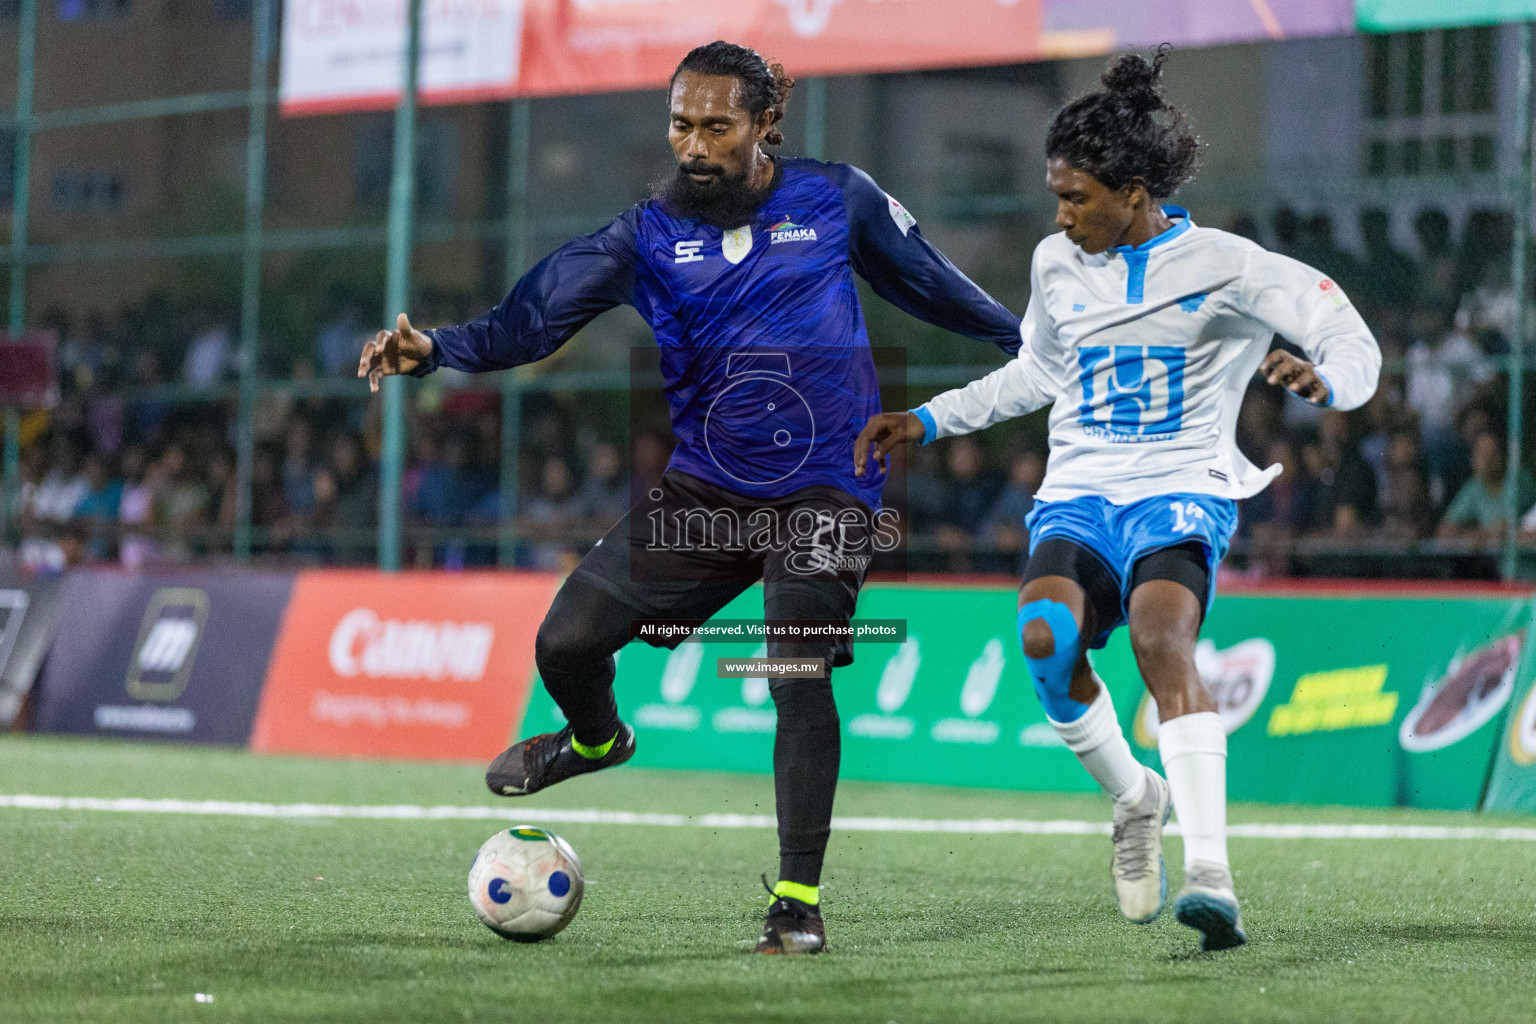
(1142, 332)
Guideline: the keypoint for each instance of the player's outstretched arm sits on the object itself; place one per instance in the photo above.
(393, 352)
(1305, 306)
(546, 307)
(889, 251)
(880, 437)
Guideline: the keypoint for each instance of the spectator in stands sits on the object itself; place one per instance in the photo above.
(1436, 289)
(1003, 526)
(447, 489)
(298, 474)
(1387, 273)
(1480, 510)
(1342, 502)
(1275, 516)
(604, 497)
(183, 502)
(1445, 367)
(968, 497)
(267, 507)
(549, 515)
(1405, 509)
(209, 355)
(55, 497)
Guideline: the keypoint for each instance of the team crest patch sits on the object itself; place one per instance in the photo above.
(787, 230)
(736, 243)
(1190, 303)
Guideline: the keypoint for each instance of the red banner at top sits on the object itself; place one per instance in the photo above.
(592, 45)
(346, 54)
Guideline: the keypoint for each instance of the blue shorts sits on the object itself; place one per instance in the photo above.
(1120, 535)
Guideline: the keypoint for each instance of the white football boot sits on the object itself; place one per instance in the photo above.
(1141, 878)
(1208, 904)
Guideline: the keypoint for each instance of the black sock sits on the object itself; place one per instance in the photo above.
(574, 652)
(807, 750)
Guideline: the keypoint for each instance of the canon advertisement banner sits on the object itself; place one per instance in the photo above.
(434, 666)
(162, 657)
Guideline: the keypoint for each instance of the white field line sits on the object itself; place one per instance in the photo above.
(588, 816)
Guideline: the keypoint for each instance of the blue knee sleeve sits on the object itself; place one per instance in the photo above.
(1053, 675)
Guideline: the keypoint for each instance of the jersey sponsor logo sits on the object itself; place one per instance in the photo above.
(167, 645)
(362, 644)
(688, 252)
(1131, 392)
(787, 230)
(736, 243)
(1078, 307)
(1334, 294)
(904, 220)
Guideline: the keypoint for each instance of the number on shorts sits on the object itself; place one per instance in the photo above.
(1185, 516)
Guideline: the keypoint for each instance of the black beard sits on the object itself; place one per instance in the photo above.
(725, 203)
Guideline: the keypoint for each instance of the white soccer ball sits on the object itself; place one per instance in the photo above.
(525, 883)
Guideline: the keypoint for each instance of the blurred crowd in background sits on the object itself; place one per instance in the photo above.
(1413, 484)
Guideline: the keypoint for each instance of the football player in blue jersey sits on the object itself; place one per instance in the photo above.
(743, 264)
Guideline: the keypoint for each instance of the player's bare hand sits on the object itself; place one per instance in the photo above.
(884, 432)
(393, 352)
(1295, 375)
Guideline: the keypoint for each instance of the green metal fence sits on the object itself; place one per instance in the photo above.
(402, 230)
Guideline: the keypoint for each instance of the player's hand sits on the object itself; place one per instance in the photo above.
(1295, 375)
(391, 352)
(884, 431)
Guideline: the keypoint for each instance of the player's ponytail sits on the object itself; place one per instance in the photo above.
(782, 85)
(1137, 84)
(1128, 132)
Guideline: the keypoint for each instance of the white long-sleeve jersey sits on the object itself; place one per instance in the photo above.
(1146, 352)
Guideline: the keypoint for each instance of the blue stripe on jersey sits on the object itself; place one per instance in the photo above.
(1136, 255)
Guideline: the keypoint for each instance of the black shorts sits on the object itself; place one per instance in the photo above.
(1186, 564)
(689, 547)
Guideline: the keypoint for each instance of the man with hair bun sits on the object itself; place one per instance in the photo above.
(1142, 333)
(743, 264)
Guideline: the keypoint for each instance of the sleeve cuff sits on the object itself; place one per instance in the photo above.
(430, 363)
(1326, 383)
(930, 428)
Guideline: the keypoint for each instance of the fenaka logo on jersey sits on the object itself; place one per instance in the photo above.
(787, 230)
(363, 644)
(1131, 392)
(167, 646)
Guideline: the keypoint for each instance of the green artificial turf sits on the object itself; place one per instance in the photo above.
(125, 917)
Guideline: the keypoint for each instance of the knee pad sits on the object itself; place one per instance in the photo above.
(1053, 675)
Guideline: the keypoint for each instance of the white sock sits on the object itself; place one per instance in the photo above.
(1194, 749)
(1097, 741)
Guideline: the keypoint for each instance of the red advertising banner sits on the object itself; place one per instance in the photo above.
(432, 666)
(346, 54)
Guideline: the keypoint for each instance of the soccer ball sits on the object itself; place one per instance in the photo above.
(525, 883)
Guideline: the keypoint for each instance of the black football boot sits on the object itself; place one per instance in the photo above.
(792, 926)
(544, 760)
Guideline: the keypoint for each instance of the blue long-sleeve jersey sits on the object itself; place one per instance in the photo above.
(764, 355)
